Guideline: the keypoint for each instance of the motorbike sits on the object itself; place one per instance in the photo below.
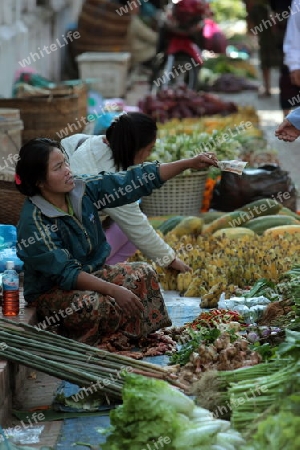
(179, 59)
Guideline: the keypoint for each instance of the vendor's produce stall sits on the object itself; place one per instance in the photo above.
(223, 73)
(182, 102)
(234, 136)
(236, 248)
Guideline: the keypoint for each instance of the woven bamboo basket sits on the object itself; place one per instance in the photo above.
(80, 89)
(111, 5)
(11, 201)
(181, 195)
(47, 115)
(10, 142)
(86, 47)
(108, 5)
(98, 20)
(101, 28)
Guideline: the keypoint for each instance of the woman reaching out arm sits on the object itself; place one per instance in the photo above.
(129, 140)
(64, 250)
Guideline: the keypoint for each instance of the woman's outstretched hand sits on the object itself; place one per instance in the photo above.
(287, 132)
(180, 266)
(204, 160)
(201, 161)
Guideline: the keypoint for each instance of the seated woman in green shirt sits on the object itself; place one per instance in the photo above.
(64, 249)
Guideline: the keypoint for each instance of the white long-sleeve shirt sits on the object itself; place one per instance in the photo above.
(291, 44)
(294, 118)
(94, 156)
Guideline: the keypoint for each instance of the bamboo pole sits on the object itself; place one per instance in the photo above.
(81, 378)
(57, 347)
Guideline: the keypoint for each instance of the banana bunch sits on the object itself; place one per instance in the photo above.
(183, 281)
(226, 263)
(167, 277)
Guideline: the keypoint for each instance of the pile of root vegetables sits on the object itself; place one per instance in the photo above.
(182, 102)
(229, 351)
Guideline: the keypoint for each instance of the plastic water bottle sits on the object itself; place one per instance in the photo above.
(10, 287)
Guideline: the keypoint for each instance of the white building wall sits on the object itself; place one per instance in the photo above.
(26, 26)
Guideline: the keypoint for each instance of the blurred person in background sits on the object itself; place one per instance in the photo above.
(183, 18)
(269, 56)
(291, 45)
(141, 37)
(287, 88)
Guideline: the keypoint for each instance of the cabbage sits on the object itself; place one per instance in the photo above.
(152, 410)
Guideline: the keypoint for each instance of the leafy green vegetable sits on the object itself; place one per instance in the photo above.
(228, 10)
(265, 350)
(261, 287)
(179, 146)
(154, 413)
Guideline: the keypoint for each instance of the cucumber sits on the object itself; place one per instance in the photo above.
(288, 212)
(240, 217)
(261, 224)
(262, 207)
(210, 216)
(169, 224)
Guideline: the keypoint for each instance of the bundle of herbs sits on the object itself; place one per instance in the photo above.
(73, 361)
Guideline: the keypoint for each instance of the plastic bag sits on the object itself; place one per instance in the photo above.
(9, 254)
(10, 437)
(269, 181)
(8, 236)
(250, 308)
(30, 435)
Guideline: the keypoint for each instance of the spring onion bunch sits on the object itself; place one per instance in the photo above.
(266, 389)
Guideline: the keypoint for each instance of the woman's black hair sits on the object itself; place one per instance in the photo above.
(32, 165)
(128, 134)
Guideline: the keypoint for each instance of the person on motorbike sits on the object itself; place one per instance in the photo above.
(184, 18)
